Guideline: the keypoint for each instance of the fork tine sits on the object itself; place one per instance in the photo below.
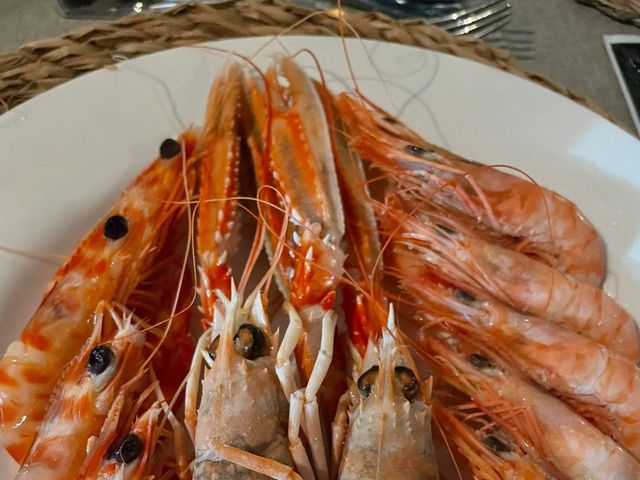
(482, 32)
(478, 16)
(485, 26)
(518, 32)
(517, 37)
(462, 13)
(514, 48)
(520, 43)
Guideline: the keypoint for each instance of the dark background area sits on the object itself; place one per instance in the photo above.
(628, 58)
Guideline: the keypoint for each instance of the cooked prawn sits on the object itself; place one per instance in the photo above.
(527, 217)
(77, 411)
(433, 242)
(556, 358)
(129, 456)
(384, 427)
(491, 453)
(568, 443)
(106, 265)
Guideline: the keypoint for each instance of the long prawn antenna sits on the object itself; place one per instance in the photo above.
(52, 258)
(279, 247)
(256, 248)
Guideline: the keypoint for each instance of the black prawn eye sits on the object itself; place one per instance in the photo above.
(464, 296)
(249, 341)
(169, 149)
(479, 361)
(408, 381)
(99, 359)
(367, 380)
(129, 449)
(445, 229)
(116, 227)
(418, 151)
(496, 445)
(390, 120)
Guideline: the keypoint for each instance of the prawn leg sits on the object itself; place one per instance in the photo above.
(309, 394)
(255, 463)
(298, 451)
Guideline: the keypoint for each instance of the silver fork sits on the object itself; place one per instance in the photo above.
(459, 17)
(478, 20)
(464, 17)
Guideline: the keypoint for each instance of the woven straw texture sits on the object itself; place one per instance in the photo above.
(627, 11)
(41, 65)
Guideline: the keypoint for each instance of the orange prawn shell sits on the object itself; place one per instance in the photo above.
(484, 463)
(219, 184)
(504, 207)
(99, 269)
(568, 443)
(146, 429)
(80, 405)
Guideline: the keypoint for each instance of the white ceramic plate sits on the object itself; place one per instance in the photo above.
(66, 155)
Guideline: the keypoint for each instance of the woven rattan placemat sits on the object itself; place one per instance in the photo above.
(627, 11)
(41, 65)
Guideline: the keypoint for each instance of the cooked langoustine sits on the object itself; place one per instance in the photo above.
(527, 217)
(242, 424)
(383, 429)
(100, 374)
(568, 443)
(106, 266)
(292, 152)
(217, 209)
(240, 428)
(435, 243)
